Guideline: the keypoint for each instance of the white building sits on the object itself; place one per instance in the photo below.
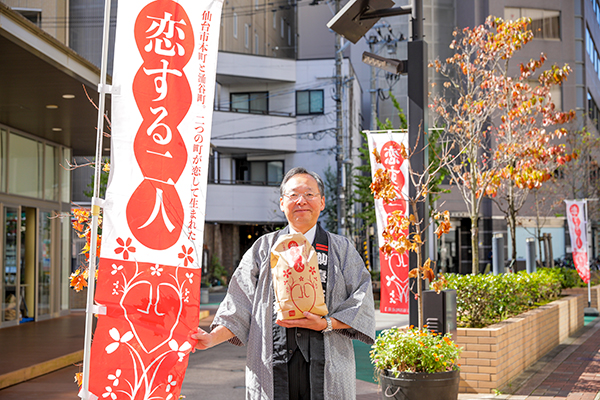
(271, 115)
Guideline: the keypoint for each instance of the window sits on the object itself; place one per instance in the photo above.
(589, 44)
(256, 43)
(265, 173)
(50, 173)
(274, 20)
(282, 32)
(289, 35)
(65, 178)
(254, 102)
(25, 159)
(596, 8)
(592, 51)
(32, 14)
(555, 93)
(235, 23)
(246, 34)
(593, 112)
(545, 24)
(256, 4)
(309, 102)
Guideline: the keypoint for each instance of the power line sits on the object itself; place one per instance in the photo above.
(315, 133)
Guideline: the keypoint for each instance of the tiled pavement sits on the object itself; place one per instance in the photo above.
(572, 374)
(571, 371)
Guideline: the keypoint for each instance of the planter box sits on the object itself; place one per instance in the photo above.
(594, 292)
(494, 355)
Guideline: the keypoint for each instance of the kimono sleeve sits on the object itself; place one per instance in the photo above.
(235, 311)
(352, 295)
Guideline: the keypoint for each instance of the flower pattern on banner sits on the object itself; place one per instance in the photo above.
(128, 335)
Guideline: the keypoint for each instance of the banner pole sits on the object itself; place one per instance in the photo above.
(588, 225)
(96, 201)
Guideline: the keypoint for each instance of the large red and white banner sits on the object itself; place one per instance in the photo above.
(394, 267)
(153, 222)
(576, 219)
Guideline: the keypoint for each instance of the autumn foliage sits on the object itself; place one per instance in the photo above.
(404, 233)
(507, 124)
(82, 224)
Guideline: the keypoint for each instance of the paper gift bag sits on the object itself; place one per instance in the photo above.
(296, 278)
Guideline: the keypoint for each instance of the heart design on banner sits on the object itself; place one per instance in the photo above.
(147, 304)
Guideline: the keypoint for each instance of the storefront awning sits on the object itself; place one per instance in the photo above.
(36, 72)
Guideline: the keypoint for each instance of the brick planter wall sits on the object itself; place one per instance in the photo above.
(492, 356)
(594, 292)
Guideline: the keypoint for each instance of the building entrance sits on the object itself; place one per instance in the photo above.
(18, 265)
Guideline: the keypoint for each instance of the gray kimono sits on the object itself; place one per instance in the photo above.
(247, 311)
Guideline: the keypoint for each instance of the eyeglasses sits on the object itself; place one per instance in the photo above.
(307, 196)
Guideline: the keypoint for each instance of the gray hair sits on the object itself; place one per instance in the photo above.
(302, 171)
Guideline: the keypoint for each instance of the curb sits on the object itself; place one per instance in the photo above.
(25, 374)
(45, 367)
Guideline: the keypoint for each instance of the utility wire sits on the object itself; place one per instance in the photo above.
(325, 131)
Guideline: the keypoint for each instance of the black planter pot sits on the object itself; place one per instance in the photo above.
(420, 386)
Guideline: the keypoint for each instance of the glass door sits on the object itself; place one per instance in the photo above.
(27, 260)
(44, 289)
(11, 269)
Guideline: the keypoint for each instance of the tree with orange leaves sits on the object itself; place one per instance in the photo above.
(482, 93)
(529, 123)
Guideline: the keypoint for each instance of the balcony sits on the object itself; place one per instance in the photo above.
(235, 68)
(243, 204)
(253, 131)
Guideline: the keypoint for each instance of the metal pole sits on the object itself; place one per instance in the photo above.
(373, 93)
(90, 309)
(588, 229)
(417, 125)
(341, 204)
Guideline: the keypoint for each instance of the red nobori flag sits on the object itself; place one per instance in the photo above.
(394, 267)
(149, 271)
(577, 222)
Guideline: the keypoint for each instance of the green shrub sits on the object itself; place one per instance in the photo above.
(482, 300)
(413, 350)
(570, 278)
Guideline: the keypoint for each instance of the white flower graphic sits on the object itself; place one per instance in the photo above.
(170, 383)
(156, 270)
(190, 277)
(115, 377)
(181, 350)
(118, 339)
(116, 269)
(110, 393)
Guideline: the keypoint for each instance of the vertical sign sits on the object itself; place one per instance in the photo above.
(576, 219)
(149, 271)
(394, 266)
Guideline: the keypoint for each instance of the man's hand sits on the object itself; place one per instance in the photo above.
(207, 340)
(310, 321)
(204, 339)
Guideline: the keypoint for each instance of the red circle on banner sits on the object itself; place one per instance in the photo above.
(155, 214)
(392, 160)
(396, 205)
(163, 31)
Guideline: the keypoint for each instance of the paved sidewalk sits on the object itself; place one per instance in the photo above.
(571, 371)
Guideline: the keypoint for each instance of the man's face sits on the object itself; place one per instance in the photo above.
(302, 211)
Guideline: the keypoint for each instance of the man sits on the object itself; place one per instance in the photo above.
(308, 358)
